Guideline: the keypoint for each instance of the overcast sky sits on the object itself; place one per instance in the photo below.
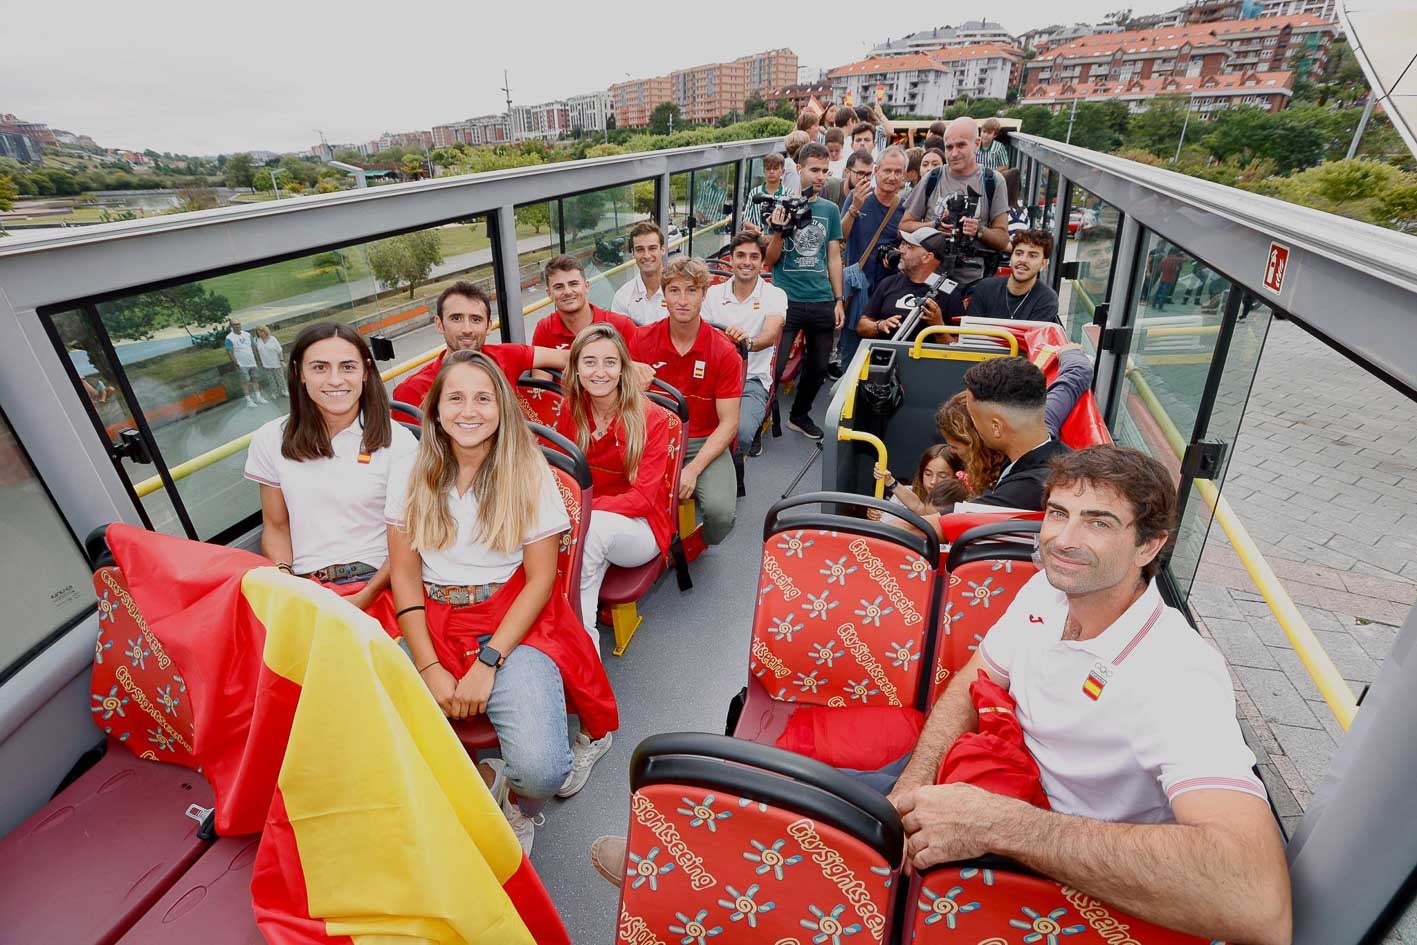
(206, 78)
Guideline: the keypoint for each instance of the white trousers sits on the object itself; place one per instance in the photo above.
(611, 539)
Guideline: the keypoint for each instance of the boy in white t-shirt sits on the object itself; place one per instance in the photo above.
(1131, 718)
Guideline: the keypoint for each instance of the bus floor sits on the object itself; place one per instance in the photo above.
(688, 659)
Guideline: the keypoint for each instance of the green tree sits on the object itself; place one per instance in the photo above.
(665, 117)
(197, 198)
(642, 197)
(755, 107)
(785, 111)
(189, 306)
(535, 215)
(1098, 126)
(300, 170)
(583, 212)
(8, 192)
(1034, 118)
(406, 260)
(1158, 129)
(239, 171)
(413, 166)
(349, 156)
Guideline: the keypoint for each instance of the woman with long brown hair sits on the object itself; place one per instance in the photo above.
(982, 465)
(625, 437)
(473, 540)
(324, 469)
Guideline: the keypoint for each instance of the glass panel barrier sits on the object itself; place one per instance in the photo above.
(1179, 305)
(541, 222)
(201, 398)
(597, 227)
(713, 209)
(1040, 215)
(46, 578)
(1237, 374)
(680, 216)
(1092, 231)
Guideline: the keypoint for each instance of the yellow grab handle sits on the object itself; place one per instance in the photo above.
(845, 434)
(934, 330)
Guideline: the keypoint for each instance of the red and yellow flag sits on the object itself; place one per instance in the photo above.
(314, 728)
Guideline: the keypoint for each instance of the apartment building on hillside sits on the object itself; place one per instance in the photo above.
(928, 83)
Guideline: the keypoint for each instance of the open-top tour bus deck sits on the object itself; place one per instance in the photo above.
(113, 413)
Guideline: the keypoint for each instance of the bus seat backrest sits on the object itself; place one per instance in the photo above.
(571, 550)
(678, 440)
(137, 694)
(842, 619)
(973, 903)
(539, 404)
(732, 842)
(977, 594)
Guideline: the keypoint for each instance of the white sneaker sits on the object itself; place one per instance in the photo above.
(250, 402)
(584, 754)
(260, 399)
(523, 827)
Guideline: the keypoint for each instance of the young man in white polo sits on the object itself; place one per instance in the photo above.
(240, 348)
(1130, 715)
(642, 298)
(750, 311)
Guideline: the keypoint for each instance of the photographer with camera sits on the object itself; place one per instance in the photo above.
(962, 174)
(805, 253)
(1020, 295)
(870, 219)
(916, 283)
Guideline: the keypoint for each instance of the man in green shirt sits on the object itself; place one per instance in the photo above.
(806, 264)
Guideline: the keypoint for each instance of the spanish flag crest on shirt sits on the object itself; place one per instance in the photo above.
(314, 730)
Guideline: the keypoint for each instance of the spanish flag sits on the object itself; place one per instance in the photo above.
(314, 729)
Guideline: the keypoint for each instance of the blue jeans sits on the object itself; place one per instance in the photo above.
(752, 408)
(882, 780)
(528, 710)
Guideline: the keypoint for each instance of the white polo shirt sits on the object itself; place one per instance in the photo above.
(633, 300)
(468, 561)
(722, 308)
(1124, 723)
(336, 505)
(239, 343)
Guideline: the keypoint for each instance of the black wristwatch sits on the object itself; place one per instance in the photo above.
(890, 487)
(491, 657)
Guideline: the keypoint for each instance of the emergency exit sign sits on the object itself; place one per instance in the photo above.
(1274, 267)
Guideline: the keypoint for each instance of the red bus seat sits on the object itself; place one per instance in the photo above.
(732, 842)
(573, 479)
(86, 866)
(842, 630)
(138, 695)
(986, 570)
(623, 587)
(540, 400)
(991, 900)
(210, 903)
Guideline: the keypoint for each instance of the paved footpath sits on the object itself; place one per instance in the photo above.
(1324, 478)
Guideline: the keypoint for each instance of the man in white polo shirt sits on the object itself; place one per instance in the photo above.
(751, 311)
(240, 349)
(1131, 717)
(642, 298)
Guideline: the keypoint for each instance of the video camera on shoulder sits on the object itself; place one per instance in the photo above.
(799, 210)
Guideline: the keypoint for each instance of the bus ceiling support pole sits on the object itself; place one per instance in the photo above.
(1362, 126)
(1119, 301)
(663, 201)
(740, 192)
(509, 280)
(1352, 859)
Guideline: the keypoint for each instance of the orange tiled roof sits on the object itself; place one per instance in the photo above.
(1174, 37)
(1148, 88)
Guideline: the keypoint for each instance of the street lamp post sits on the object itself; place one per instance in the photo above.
(1190, 103)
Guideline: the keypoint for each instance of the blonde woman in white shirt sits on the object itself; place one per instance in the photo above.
(473, 541)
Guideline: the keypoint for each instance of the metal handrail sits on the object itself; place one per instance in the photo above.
(202, 460)
(919, 346)
(1317, 663)
(846, 435)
